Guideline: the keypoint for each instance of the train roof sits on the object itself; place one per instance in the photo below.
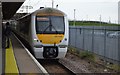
(49, 12)
(46, 12)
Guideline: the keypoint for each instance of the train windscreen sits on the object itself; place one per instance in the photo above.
(50, 25)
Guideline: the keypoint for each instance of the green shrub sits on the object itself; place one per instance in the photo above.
(82, 54)
(114, 67)
(72, 50)
(87, 55)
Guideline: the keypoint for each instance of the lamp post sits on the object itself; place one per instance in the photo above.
(100, 20)
(109, 20)
(74, 16)
(52, 3)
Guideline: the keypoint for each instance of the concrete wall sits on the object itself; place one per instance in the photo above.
(102, 40)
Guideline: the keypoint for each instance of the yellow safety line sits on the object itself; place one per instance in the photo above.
(10, 62)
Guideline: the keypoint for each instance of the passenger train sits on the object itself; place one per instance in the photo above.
(46, 31)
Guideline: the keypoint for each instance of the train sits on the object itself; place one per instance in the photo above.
(46, 31)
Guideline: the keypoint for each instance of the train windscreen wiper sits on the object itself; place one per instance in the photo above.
(55, 29)
(46, 28)
(50, 26)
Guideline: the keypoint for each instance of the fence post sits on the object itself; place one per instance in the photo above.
(93, 39)
(69, 36)
(119, 46)
(105, 43)
(83, 38)
(75, 36)
(0, 37)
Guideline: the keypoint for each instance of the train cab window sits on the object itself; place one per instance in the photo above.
(58, 23)
(50, 24)
(42, 24)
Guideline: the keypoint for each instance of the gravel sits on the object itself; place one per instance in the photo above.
(77, 65)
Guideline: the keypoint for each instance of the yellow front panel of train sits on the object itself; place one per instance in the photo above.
(50, 38)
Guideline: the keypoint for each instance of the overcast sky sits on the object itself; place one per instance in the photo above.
(85, 9)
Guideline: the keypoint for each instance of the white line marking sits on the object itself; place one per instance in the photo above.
(38, 64)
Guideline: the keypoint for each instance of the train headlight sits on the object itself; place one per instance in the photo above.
(62, 46)
(36, 40)
(38, 46)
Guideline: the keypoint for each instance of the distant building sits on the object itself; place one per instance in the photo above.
(119, 12)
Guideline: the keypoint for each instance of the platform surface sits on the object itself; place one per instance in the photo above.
(23, 61)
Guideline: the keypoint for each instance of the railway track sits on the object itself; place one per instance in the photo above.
(54, 67)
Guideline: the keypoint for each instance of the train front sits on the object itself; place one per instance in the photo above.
(51, 33)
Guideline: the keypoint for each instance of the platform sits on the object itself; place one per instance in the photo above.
(18, 60)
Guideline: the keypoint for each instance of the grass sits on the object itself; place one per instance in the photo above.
(82, 54)
(87, 55)
(115, 67)
(92, 58)
(91, 23)
(72, 50)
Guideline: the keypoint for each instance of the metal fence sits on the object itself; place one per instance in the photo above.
(101, 40)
